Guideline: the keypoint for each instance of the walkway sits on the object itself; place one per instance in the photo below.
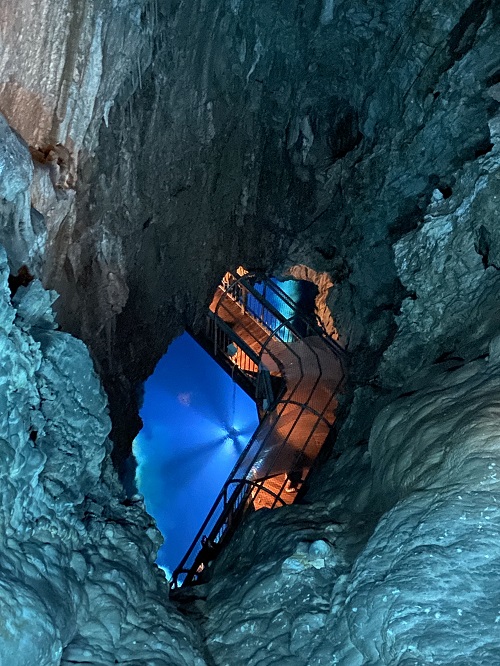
(294, 370)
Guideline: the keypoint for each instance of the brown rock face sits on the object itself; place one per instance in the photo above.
(324, 284)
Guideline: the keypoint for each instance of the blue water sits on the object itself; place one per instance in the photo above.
(196, 423)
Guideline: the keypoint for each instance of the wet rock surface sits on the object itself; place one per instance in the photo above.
(173, 141)
(398, 564)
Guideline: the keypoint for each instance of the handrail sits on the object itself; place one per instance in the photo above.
(247, 350)
(257, 484)
(228, 506)
(228, 510)
(243, 281)
(311, 434)
(223, 500)
(314, 322)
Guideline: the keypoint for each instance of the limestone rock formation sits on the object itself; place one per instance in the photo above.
(170, 142)
(77, 581)
(399, 563)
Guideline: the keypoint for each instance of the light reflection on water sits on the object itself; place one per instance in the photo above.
(196, 423)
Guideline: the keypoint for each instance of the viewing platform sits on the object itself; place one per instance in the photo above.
(284, 359)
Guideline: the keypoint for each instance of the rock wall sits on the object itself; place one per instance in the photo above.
(175, 140)
(62, 64)
(391, 556)
(188, 179)
(268, 135)
(394, 559)
(77, 580)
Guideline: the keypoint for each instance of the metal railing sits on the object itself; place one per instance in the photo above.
(287, 437)
(271, 306)
(239, 360)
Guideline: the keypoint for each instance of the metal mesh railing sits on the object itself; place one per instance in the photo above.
(271, 306)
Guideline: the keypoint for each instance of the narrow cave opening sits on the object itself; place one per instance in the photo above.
(235, 404)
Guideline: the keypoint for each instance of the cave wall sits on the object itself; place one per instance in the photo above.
(176, 166)
(394, 560)
(271, 147)
(392, 556)
(209, 134)
(63, 63)
(360, 140)
(188, 179)
(77, 581)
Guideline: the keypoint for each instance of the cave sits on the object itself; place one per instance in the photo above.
(146, 148)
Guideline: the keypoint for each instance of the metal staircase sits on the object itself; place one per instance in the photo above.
(288, 364)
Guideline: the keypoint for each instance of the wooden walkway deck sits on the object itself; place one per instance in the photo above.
(293, 428)
(306, 410)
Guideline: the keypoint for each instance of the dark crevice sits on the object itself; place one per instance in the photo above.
(344, 133)
(328, 253)
(446, 357)
(482, 246)
(376, 312)
(483, 149)
(493, 79)
(410, 220)
(491, 107)
(445, 190)
(439, 184)
(463, 35)
(407, 394)
(22, 279)
(400, 294)
(480, 144)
